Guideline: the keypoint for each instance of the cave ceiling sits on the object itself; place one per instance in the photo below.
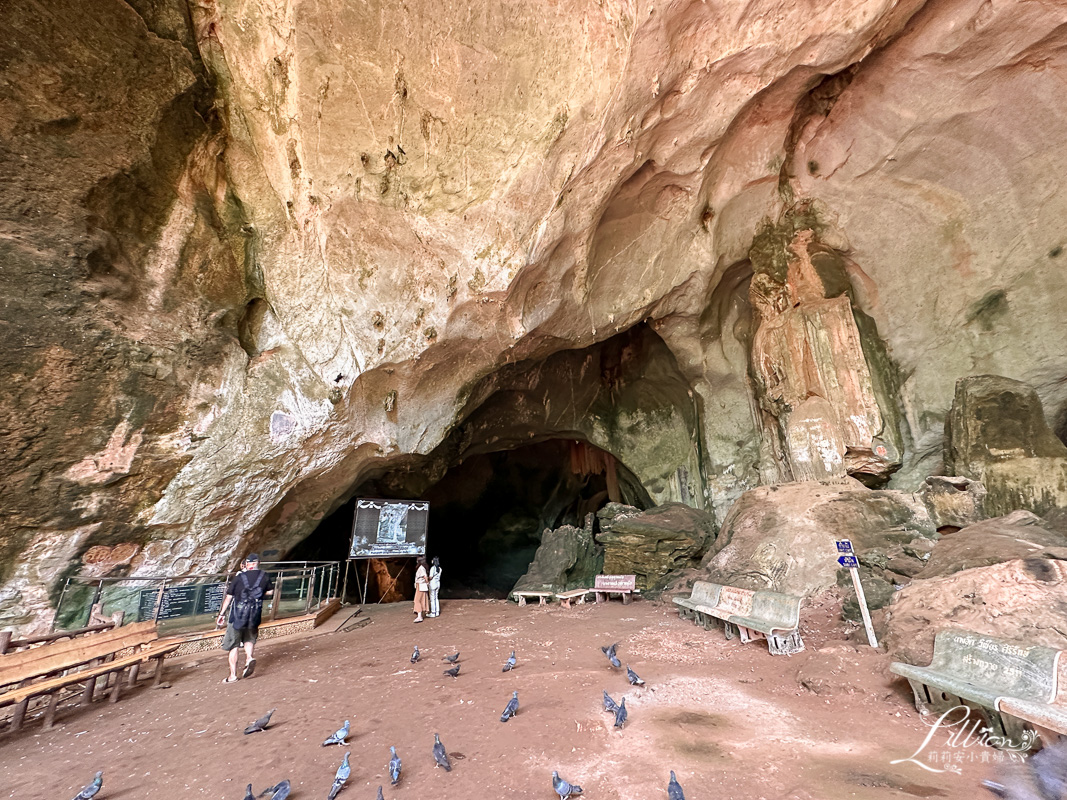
(253, 251)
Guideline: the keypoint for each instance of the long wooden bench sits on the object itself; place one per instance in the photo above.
(541, 597)
(573, 596)
(50, 668)
(1012, 683)
(755, 614)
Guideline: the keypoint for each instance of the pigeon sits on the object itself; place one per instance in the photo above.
(415, 655)
(249, 795)
(261, 723)
(564, 789)
(279, 791)
(674, 789)
(380, 795)
(512, 708)
(452, 659)
(609, 704)
(454, 671)
(339, 736)
(610, 653)
(339, 779)
(1043, 776)
(394, 766)
(91, 790)
(633, 677)
(439, 754)
(509, 665)
(620, 714)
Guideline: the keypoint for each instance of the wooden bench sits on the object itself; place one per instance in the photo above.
(574, 595)
(755, 614)
(999, 677)
(606, 585)
(542, 597)
(50, 668)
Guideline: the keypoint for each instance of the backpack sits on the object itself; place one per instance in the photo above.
(248, 611)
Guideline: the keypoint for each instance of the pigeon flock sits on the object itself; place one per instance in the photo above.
(561, 787)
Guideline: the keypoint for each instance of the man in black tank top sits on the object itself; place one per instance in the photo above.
(244, 601)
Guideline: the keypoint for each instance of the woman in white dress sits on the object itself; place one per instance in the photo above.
(435, 587)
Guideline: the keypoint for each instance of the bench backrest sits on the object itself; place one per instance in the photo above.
(69, 653)
(781, 609)
(705, 593)
(615, 583)
(1026, 671)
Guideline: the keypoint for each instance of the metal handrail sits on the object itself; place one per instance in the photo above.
(321, 574)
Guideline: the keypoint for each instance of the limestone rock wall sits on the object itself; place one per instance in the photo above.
(255, 250)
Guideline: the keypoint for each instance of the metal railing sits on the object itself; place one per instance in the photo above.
(189, 603)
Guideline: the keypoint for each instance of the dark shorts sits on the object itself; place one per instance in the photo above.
(235, 637)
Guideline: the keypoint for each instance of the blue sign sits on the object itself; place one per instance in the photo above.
(844, 546)
(848, 562)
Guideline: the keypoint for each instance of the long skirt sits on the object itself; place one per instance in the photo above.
(422, 602)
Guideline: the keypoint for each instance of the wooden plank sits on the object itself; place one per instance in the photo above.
(327, 611)
(48, 658)
(16, 644)
(51, 684)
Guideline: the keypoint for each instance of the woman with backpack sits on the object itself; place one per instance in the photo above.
(244, 600)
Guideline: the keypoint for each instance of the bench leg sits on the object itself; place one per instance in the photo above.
(87, 693)
(541, 600)
(20, 714)
(785, 645)
(522, 600)
(626, 598)
(729, 630)
(50, 713)
(600, 597)
(134, 670)
(158, 676)
(565, 602)
(116, 691)
(581, 600)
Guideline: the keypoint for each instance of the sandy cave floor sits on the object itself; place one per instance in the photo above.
(730, 719)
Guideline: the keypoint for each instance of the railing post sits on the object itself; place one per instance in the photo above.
(159, 601)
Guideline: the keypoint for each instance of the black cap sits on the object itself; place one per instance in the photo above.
(252, 557)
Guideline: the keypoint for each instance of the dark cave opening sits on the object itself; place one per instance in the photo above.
(487, 514)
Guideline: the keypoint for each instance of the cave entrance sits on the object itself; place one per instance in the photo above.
(487, 514)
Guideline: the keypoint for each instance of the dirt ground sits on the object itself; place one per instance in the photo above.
(731, 720)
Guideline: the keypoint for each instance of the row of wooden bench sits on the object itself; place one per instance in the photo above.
(603, 587)
(46, 667)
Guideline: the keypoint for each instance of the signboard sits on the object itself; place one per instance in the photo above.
(211, 598)
(848, 562)
(615, 583)
(735, 602)
(146, 605)
(178, 601)
(844, 546)
(389, 528)
(181, 601)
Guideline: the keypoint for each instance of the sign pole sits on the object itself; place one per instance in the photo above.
(848, 560)
(344, 585)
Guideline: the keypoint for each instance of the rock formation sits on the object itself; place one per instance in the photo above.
(996, 432)
(655, 543)
(256, 254)
(1028, 599)
(782, 537)
(568, 558)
